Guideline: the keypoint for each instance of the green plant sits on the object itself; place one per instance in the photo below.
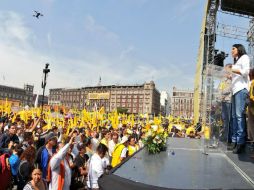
(155, 139)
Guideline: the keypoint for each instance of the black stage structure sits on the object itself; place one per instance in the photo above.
(184, 165)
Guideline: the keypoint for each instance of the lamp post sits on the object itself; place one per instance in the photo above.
(46, 70)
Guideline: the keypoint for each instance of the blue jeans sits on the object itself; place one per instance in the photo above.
(239, 104)
(226, 118)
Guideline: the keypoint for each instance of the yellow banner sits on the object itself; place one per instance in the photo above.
(98, 96)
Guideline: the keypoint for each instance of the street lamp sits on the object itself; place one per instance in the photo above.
(46, 70)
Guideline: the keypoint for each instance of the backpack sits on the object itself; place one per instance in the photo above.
(24, 166)
(20, 164)
(3, 165)
(38, 156)
(5, 172)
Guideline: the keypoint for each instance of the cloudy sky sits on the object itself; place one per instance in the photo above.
(121, 41)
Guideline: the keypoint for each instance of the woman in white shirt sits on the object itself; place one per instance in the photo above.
(240, 88)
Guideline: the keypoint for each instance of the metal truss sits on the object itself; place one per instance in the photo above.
(208, 101)
(234, 32)
(250, 39)
(209, 52)
(240, 33)
(235, 14)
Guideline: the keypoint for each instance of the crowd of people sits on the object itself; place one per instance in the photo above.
(35, 157)
(72, 152)
(38, 152)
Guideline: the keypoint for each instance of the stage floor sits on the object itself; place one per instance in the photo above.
(184, 166)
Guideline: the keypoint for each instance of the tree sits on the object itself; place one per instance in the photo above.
(122, 110)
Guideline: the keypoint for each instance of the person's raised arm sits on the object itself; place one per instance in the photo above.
(34, 125)
(60, 155)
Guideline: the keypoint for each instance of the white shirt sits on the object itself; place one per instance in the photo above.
(239, 82)
(55, 169)
(50, 151)
(111, 147)
(95, 142)
(124, 152)
(96, 169)
(75, 151)
(140, 144)
(105, 162)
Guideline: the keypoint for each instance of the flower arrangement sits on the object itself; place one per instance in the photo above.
(155, 139)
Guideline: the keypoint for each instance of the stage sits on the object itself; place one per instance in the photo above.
(182, 166)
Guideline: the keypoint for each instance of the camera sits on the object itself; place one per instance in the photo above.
(46, 70)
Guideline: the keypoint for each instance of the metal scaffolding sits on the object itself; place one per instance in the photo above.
(250, 39)
(209, 71)
(209, 52)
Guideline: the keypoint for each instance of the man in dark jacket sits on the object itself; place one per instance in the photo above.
(6, 138)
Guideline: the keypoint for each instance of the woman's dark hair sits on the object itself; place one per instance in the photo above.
(102, 149)
(115, 134)
(131, 137)
(251, 74)
(104, 132)
(18, 149)
(28, 136)
(29, 154)
(87, 141)
(241, 50)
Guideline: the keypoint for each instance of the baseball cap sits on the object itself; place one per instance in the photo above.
(50, 136)
(124, 139)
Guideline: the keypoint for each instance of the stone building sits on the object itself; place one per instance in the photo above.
(24, 96)
(182, 103)
(143, 98)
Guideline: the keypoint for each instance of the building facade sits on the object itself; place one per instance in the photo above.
(182, 103)
(143, 98)
(39, 101)
(165, 103)
(24, 96)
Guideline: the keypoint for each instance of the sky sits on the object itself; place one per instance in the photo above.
(121, 41)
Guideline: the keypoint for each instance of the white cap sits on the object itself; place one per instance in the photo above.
(6, 128)
(124, 139)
